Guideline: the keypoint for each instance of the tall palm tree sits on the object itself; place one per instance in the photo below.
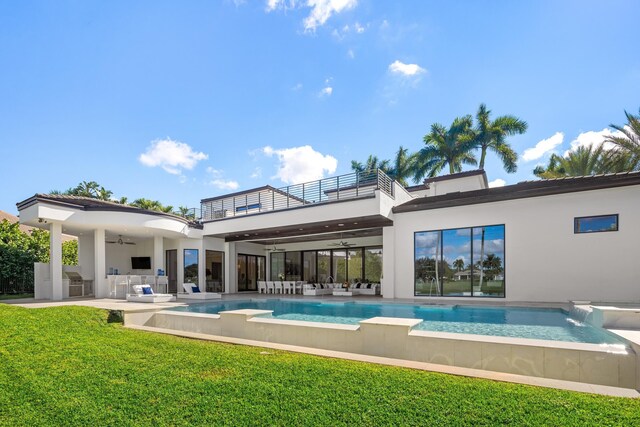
(453, 147)
(584, 161)
(458, 264)
(629, 142)
(491, 135)
(372, 163)
(103, 194)
(403, 165)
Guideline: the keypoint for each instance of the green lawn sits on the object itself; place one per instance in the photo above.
(68, 366)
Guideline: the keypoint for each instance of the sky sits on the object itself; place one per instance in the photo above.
(180, 101)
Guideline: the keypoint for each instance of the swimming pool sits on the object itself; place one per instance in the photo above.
(536, 323)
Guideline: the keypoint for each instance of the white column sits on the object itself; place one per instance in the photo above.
(99, 262)
(55, 260)
(231, 272)
(388, 263)
(158, 254)
(202, 267)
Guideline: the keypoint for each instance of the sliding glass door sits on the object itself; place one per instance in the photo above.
(251, 269)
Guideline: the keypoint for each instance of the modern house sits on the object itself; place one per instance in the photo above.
(450, 238)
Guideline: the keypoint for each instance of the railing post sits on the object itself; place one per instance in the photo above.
(303, 194)
(337, 188)
(319, 191)
(357, 183)
(246, 203)
(287, 196)
(259, 204)
(273, 200)
(234, 206)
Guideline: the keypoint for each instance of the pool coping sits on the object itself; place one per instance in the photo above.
(423, 366)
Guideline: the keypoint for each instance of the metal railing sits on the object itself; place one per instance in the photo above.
(349, 186)
(22, 284)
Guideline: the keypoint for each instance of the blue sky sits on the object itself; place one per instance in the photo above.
(179, 101)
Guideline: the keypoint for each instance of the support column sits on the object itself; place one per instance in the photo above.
(230, 268)
(158, 254)
(388, 263)
(99, 262)
(55, 260)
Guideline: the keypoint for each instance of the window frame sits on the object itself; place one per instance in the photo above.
(576, 228)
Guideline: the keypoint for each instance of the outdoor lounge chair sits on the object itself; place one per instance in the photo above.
(191, 291)
(144, 293)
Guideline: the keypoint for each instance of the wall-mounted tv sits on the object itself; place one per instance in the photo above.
(141, 262)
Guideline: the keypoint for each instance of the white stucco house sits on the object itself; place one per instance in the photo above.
(545, 240)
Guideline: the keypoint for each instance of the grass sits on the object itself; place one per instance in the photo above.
(14, 296)
(69, 366)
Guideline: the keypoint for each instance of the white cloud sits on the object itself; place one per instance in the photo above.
(321, 10)
(384, 25)
(297, 87)
(351, 54)
(219, 182)
(301, 164)
(358, 28)
(170, 155)
(543, 147)
(257, 173)
(407, 70)
(224, 184)
(497, 183)
(327, 90)
(593, 138)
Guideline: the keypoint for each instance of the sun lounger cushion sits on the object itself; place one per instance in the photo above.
(146, 290)
(195, 289)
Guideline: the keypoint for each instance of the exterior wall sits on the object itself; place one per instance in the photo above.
(467, 183)
(544, 259)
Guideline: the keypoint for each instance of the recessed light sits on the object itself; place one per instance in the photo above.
(340, 225)
(246, 234)
(355, 223)
(326, 226)
(300, 229)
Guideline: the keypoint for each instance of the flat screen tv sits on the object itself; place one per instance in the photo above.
(141, 262)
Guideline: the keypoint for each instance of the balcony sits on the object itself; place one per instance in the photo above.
(268, 199)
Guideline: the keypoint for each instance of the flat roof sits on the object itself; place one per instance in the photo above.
(91, 204)
(526, 189)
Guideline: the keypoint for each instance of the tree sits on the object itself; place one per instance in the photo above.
(403, 165)
(452, 147)
(458, 264)
(585, 161)
(152, 205)
(629, 142)
(491, 135)
(371, 164)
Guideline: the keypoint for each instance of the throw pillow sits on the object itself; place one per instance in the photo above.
(195, 289)
(146, 290)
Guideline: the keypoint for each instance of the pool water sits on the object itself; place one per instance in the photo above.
(536, 323)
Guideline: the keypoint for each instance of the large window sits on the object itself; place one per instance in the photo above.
(251, 269)
(214, 265)
(190, 266)
(460, 262)
(338, 265)
(595, 224)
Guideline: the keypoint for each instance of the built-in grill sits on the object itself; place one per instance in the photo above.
(78, 286)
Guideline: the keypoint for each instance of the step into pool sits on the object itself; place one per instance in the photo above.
(533, 323)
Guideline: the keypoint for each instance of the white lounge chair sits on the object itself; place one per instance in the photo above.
(262, 287)
(144, 293)
(191, 291)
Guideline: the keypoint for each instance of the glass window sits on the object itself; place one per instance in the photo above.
(595, 224)
(324, 266)
(251, 269)
(277, 266)
(456, 254)
(309, 266)
(427, 269)
(460, 262)
(488, 258)
(191, 266)
(293, 266)
(354, 265)
(339, 266)
(214, 265)
(372, 265)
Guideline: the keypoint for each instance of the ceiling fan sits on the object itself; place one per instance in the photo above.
(120, 241)
(342, 243)
(274, 248)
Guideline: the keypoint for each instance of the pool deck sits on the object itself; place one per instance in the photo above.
(123, 305)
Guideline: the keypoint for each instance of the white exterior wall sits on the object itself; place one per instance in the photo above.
(467, 183)
(544, 260)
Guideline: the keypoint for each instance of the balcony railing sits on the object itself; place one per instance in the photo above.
(327, 190)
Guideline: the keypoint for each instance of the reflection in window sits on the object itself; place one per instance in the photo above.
(309, 266)
(292, 266)
(460, 262)
(372, 265)
(191, 266)
(339, 266)
(277, 265)
(214, 265)
(324, 266)
(354, 265)
(596, 224)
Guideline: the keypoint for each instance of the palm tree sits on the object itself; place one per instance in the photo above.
(491, 135)
(629, 142)
(123, 200)
(452, 147)
(584, 161)
(371, 164)
(403, 165)
(103, 194)
(458, 264)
